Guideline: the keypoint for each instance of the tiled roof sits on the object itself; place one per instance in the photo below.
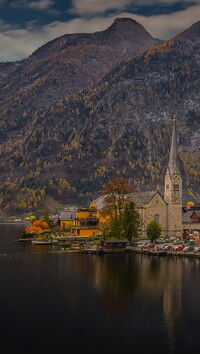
(68, 215)
(99, 202)
(139, 198)
(186, 217)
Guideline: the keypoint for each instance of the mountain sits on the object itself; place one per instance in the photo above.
(71, 62)
(65, 143)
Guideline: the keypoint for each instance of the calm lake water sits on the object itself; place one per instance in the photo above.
(56, 302)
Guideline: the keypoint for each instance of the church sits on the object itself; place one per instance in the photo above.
(151, 205)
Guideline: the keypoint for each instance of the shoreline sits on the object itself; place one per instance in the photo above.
(168, 253)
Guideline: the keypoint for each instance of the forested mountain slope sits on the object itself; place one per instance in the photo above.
(121, 126)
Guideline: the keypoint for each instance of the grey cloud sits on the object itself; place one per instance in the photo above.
(37, 5)
(41, 5)
(84, 7)
(95, 6)
(16, 43)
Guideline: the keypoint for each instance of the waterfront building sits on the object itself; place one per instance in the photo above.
(86, 222)
(67, 217)
(80, 221)
(191, 222)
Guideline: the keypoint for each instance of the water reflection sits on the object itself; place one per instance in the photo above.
(172, 300)
(115, 284)
(160, 279)
(154, 267)
(145, 301)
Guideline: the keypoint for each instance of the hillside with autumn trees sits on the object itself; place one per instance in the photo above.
(63, 144)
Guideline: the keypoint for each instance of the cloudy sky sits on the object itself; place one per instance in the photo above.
(27, 24)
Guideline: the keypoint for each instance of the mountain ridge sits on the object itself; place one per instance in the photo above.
(120, 125)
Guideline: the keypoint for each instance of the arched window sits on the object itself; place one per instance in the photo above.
(156, 217)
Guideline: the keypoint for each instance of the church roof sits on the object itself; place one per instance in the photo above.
(173, 155)
(139, 198)
(99, 202)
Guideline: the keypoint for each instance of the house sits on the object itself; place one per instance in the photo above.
(86, 222)
(191, 222)
(67, 217)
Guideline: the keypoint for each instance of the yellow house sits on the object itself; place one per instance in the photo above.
(67, 218)
(98, 204)
(86, 222)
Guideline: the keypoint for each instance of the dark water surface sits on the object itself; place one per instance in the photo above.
(58, 302)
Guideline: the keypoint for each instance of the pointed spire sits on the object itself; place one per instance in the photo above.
(173, 155)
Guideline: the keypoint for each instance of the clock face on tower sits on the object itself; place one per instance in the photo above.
(176, 176)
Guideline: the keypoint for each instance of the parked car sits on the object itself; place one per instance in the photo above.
(164, 247)
(178, 248)
(140, 245)
(167, 248)
(151, 245)
(158, 241)
(146, 245)
(172, 238)
(188, 249)
(177, 242)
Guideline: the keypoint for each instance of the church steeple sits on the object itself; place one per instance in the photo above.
(173, 155)
(173, 189)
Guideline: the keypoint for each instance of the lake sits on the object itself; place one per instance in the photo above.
(56, 302)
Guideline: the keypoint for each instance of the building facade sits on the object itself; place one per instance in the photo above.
(191, 222)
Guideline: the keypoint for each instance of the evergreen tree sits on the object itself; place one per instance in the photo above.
(130, 222)
(113, 228)
(153, 230)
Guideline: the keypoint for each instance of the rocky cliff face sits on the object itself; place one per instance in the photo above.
(66, 143)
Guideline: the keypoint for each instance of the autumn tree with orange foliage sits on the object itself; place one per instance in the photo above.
(116, 195)
(124, 220)
(190, 203)
(42, 224)
(37, 228)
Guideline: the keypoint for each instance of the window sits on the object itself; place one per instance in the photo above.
(156, 217)
(176, 187)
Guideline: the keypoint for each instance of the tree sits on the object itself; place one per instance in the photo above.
(47, 219)
(112, 228)
(124, 225)
(153, 230)
(130, 222)
(116, 192)
(116, 197)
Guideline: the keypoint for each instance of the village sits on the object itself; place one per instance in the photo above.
(76, 227)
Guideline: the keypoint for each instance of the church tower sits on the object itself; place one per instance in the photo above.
(173, 190)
